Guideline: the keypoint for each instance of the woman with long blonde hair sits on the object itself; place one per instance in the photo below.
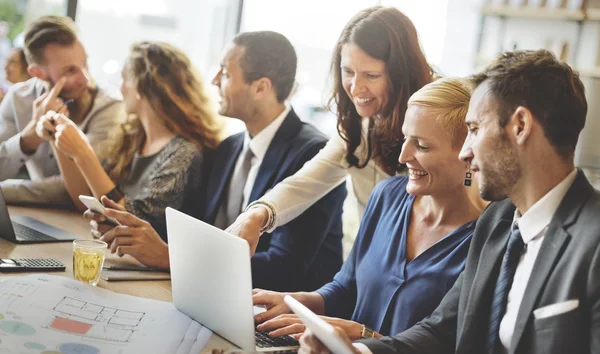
(155, 158)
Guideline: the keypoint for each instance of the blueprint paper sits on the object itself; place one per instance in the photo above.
(41, 313)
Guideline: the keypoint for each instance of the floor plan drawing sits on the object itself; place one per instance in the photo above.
(41, 313)
(94, 321)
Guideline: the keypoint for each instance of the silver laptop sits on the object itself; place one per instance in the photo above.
(22, 229)
(212, 283)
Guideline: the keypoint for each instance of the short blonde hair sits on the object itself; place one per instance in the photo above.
(448, 99)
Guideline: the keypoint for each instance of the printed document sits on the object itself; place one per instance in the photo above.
(45, 313)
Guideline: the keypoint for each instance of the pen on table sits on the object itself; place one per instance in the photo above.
(130, 268)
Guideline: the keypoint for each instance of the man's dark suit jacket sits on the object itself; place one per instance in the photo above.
(567, 268)
(307, 252)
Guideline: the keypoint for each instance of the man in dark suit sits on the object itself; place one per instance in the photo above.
(256, 77)
(531, 281)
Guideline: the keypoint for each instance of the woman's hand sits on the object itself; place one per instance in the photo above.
(69, 139)
(290, 324)
(248, 225)
(273, 301)
(45, 127)
(98, 221)
(137, 238)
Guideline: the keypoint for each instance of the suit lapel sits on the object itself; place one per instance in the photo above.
(484, 280)
(555, 241)
(275, 155)
(222, 170)
(548, 256)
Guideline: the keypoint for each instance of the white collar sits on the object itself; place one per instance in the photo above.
(540, 214)
(260, 143)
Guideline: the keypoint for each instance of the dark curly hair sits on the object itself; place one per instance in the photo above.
(385, 34)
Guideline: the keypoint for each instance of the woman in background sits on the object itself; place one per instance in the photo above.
(16, 66)
(15, 69)
(377, 65)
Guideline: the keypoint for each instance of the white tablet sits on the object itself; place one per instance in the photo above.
(319, 327)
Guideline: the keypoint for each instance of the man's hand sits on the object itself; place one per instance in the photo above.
(49, 101)
(248, 225)
(137, 238)
(310, 344)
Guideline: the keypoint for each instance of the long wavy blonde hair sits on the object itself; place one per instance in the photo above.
(448, 99)
(166, 78)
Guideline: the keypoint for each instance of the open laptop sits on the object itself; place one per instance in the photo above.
(22, 229)
(212, 283)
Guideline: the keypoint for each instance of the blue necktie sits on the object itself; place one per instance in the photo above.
(503, 284)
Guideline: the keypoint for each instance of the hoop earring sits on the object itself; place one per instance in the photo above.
(468, 177)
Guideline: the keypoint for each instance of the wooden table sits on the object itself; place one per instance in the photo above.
(63, 251)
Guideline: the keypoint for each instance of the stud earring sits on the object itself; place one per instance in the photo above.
(468, 177)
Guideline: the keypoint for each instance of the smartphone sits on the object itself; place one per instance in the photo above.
(30, 265)
(94, 205)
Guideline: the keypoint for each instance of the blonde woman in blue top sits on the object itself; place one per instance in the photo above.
(415, 235)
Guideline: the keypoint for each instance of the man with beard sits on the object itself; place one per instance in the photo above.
(531, 281)
(256, 77)
(61, 82)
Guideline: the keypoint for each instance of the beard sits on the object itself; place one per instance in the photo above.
(77, 94)
(500, 172)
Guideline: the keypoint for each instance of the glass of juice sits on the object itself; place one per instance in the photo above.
(88, 258)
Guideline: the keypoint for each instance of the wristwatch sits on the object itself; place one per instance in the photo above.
(366, 332)
(115, 194)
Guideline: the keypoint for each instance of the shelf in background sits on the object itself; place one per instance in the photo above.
(591, 72)
(540, 13)
(592, 14)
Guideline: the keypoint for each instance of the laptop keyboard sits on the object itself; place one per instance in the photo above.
(25, 233)
(263, 340)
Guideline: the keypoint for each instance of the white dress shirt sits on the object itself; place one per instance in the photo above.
(259, 146)
(532, 225)
(327, 170)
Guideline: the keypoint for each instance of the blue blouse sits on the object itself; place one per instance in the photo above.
(376, 285)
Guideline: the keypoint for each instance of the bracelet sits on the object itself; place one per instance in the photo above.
(366, 332)
(115, 194)
(270, 210)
